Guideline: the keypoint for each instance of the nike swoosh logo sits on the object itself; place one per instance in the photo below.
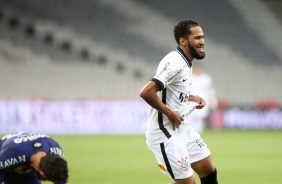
(184, 80)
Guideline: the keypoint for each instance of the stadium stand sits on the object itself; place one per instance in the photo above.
(275, 7)
(130, 37)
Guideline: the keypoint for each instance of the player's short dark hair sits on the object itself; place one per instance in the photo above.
(55, 168)
(182, 29)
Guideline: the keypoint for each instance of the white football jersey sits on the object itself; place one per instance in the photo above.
(174, 76)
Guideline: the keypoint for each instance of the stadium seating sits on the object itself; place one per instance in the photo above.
(115, 46)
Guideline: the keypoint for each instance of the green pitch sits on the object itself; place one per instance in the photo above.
(241, 157)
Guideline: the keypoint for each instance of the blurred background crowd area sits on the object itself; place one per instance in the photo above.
(106, 49)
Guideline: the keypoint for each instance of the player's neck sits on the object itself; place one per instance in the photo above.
(187, 53)
(35, 160)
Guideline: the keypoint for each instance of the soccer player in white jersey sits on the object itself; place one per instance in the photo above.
(178, 148)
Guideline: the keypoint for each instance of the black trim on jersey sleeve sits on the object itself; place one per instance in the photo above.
(158, 82)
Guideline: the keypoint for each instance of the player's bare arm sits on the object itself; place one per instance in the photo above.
(149, 94)
(199, 100)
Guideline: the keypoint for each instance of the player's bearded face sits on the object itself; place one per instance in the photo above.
(193, 50)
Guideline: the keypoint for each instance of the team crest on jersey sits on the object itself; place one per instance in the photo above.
(37, 145)
(161, 166)
(184, 164)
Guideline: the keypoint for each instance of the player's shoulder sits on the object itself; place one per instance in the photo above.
(174, 55)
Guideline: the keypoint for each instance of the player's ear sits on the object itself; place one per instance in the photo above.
(42, 174)
(182, 41)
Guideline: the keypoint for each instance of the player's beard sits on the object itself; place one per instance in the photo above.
(194, 52)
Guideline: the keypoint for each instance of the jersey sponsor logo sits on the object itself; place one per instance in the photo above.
(56, 151)
(11, 135)
(12, 161)
(183, 97)
(184, 164)
(200, 143)
(161, 166)
(24, 137)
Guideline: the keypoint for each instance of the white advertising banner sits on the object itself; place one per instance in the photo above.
(74, 117)
(112, 117)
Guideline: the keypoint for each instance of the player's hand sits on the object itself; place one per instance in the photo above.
(176, 119)
(200, 101)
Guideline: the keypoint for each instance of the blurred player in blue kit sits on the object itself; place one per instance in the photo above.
(28, 158)
(178, 148)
